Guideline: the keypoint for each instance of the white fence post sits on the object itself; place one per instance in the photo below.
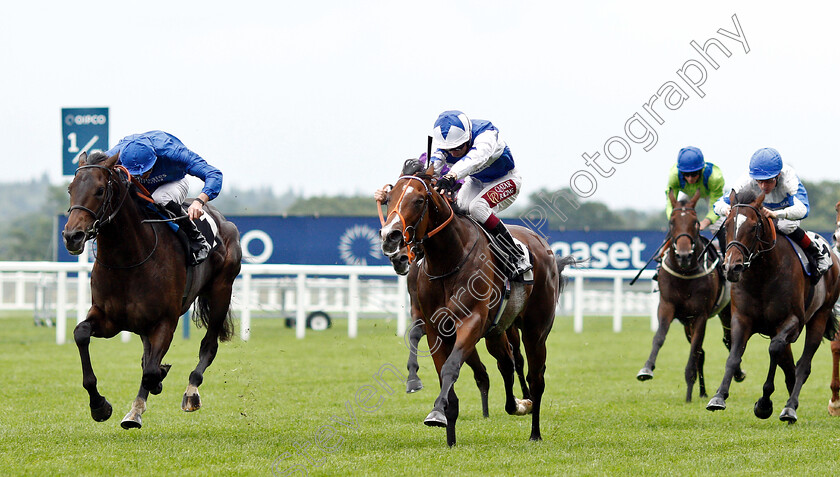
(82, 286)
(245, 320)
(579, 304)
(402, 304)
(61, 308)
(302, 299)
(355, 303)
(617, 304)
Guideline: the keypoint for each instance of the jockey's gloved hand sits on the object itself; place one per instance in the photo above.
(445, 183)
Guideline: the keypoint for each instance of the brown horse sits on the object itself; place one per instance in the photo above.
(771, 295)
(692, 290)
(140, 281)
(403, 266)
(460, 289)
(834, 402)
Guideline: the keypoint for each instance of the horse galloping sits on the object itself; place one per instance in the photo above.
(460, 290)
(691, 290)
(140, 281)
(772, 295)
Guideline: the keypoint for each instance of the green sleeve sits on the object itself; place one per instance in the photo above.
(716, 183)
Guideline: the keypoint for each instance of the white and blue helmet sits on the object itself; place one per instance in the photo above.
(452, 129)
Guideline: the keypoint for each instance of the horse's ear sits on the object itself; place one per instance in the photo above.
(83, 159)
(733, 199)
(694, 199)
(759, 200)
(111, 161)
(837, 206)
(672, 197)
(430, 170)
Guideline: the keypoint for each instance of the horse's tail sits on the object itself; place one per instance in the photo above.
(202, 315)
(831, 327)
(562, 263)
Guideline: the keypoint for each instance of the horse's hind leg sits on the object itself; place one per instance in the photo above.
(694, 368)
(535, 351)
(482, 380)
(813, 337)
(499, 348)
(94, 325)
(156, 345)
(781, 356)
(834, 402)
(215, 306)
(518, 360)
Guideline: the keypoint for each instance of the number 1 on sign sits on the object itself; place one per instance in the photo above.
(74, 148)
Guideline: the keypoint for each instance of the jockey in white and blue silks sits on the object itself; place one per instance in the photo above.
(476, 154)
(160, 162)
(785, 201)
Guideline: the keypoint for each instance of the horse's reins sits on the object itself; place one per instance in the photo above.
(98, 222)
(759, 227)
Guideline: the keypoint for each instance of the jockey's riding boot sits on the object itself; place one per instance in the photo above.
(199, 248)
(819, 256)
(518, 263)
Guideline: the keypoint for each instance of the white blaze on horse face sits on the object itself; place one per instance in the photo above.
(393, 223)
(739, 221)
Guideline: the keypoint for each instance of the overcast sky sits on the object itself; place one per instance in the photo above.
(329, 97)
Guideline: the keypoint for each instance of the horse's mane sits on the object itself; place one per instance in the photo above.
(748, 195)
(411, 167)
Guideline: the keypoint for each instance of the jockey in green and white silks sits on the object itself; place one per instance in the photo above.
(690, 174)
(785, 200)
(476, 154)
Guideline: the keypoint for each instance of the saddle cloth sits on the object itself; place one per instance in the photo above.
(803, 259)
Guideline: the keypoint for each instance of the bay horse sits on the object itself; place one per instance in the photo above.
(772, 296)
(834, 401)
(140, 281)
(403, 266)
(460, 290)
(692, 290)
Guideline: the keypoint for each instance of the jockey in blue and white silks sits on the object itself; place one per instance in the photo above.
(476, 154)
(160, 162)
(785, 200)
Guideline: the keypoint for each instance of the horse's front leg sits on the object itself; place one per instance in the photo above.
(94, 325)
(694, 368)
(155, 347)
(813, 337)
(781, 356)
(665, 313)
(500, 348)
(482, 380)
(133, 419)
(413, 383)
(740, 335)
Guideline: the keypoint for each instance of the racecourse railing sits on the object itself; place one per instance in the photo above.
(54, 289)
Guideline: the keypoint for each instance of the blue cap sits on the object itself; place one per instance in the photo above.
(765, 164)
(138, 156)
(690, 159)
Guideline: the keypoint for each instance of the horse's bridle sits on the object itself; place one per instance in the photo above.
(690, 237)
(98, 215)
(759, 229)
(410, 231)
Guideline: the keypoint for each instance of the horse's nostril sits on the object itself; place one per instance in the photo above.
(403, 258)
(394, 236)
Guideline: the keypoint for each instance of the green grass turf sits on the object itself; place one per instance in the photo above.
(269, 403)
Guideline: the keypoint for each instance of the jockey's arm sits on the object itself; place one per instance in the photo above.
(479, 157)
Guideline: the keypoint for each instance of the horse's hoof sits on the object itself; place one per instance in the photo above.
(103, 412)
(716, 404)
(834, 407)
(740, 376)
(413, 385)
(535, 437)
(435, 419)
(763, 410)
(131, 421)
(788, 415)
(645, 374)
(523, 407)
(191, 403)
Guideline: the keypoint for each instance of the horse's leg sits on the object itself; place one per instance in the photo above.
(413, 384)
(445, 410)
(834, 401)
(133, 419)
(725, 316)
(482, 380)
(813, 337)
(518, 360)
(94, 325)
(158, 344)
(499, 347)
(780, 355)
(666, 315)
(534, 341)
(695, 332)
(740, 334)
(216, 304)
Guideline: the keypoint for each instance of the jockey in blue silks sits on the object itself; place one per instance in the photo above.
(785, 201)
(160, 162)
(476, 154)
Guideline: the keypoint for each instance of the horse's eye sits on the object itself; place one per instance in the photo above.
(100, 191)
(419, 202)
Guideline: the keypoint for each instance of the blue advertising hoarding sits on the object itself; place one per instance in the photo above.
(82, 130)
(355, 241)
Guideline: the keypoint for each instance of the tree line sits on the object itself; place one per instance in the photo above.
(28, 212)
